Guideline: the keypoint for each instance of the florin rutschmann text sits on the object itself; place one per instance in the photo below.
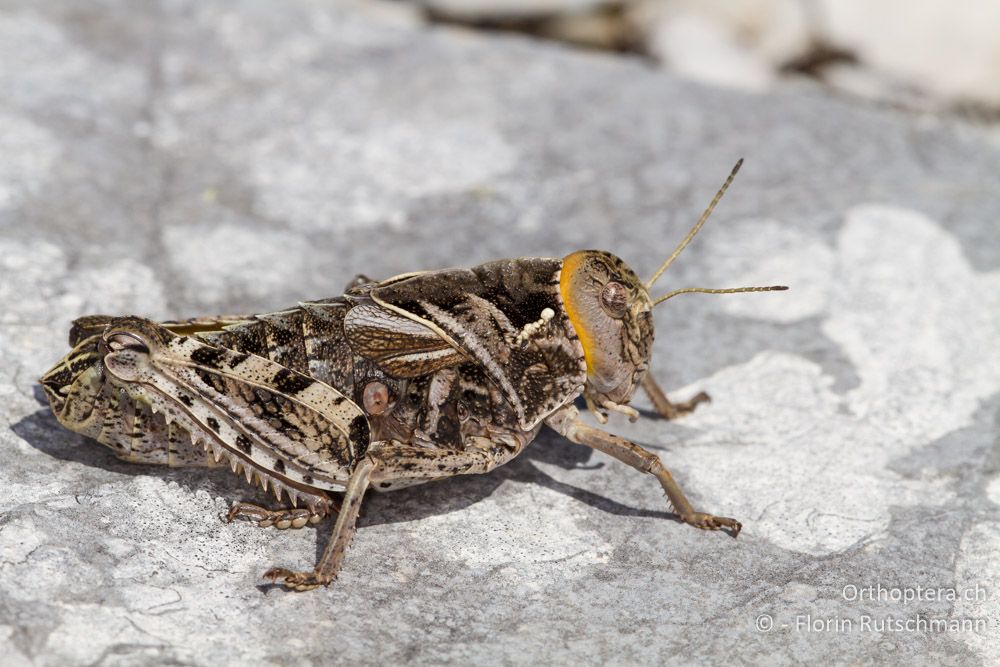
(918, 620)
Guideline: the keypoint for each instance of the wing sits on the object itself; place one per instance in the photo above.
(401, 346)
(506, 316)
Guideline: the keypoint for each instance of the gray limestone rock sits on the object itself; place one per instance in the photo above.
(178, 158)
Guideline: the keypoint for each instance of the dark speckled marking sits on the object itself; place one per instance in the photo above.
(279, 466)
(209, 357)
(213, 423)
(360, 435)
(289, 382)
(307, 479)
(185, 399)
(210, 379)
(79, 364)
(238, 359)
(244, 444)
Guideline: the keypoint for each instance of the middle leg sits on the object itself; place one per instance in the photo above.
(343, 532)
(386, 463)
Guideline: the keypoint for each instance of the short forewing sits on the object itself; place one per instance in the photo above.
(401, 346)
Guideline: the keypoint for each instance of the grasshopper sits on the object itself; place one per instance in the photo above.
(396, 382)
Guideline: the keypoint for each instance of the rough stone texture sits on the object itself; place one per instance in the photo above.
(178, 158)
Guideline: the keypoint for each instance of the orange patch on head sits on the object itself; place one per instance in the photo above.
(571, 264)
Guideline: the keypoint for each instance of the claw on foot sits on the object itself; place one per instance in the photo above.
(711, 522)
(297, 581)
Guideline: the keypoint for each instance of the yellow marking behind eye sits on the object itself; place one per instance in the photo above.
(570, 265)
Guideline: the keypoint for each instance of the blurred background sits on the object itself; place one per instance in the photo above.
(921, 55)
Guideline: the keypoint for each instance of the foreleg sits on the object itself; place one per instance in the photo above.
(663, 405)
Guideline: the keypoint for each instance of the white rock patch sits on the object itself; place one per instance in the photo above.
(920, 325)
(770, 252)
(808, 468)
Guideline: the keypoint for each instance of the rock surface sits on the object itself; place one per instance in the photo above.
(179, 158)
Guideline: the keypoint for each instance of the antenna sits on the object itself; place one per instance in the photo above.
(732, 290)
(694, 230)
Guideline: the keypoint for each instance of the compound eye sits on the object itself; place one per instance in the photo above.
(123, 340)
(614, 299)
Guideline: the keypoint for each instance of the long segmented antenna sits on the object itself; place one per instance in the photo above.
(733, 290)
(694, 230)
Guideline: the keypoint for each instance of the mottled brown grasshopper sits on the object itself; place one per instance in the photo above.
(396, 382)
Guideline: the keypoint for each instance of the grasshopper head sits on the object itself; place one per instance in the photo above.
(612, 313)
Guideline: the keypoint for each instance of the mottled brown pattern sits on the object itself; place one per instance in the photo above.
(483, 310)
